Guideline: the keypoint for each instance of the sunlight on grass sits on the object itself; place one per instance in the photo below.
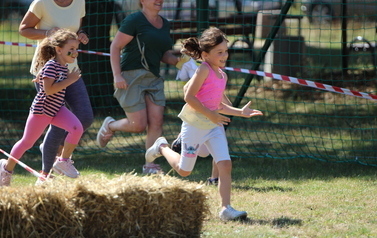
(284, 198)
(311, 208)
(279, 176)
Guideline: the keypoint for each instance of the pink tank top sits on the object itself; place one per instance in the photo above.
(212, 90)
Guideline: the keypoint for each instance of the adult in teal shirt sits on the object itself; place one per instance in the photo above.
(155, 42)
(144, 41)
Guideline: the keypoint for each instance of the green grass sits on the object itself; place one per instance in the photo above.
(298, 197)
(297, 121)
(285, 191)
(284, 198)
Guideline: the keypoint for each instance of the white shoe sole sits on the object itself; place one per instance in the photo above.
(101, 131)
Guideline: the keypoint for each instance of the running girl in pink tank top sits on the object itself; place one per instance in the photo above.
(202, 121)
(54, 54)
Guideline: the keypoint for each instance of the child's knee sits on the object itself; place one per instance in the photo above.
(225, 165)
(78, 130)
(183, 173)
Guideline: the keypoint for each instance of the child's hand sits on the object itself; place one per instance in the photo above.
(120, 82)
(182, 60)
(36, 80)
(248, 112)
(75, 74)
(218, 119)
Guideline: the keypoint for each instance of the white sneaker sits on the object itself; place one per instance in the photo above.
(104, 134)
(5, 176)
(48, 179)
(154, 151)
(66, 168)
(230, 213)
(152, 169)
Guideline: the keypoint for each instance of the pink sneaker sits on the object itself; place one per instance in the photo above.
(104, 134)
(5, 176)
(47, 179)
(65, 167)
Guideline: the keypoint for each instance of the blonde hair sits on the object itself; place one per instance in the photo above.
(47, 47)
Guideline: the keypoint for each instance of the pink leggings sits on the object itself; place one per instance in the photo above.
(36, 124)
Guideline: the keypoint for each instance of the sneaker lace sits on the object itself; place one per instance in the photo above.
(70, 163)
(6, 178)
(107, 136)
(231, 209)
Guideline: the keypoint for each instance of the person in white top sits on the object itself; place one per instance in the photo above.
(48, 105)
(42, 19)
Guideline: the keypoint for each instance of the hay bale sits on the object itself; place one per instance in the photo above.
(38, 212)
(150, 206)
(127, 206)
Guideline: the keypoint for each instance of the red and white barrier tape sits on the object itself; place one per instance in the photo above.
(306, 83)
(302, 82)
(30, 170)
(31, 45)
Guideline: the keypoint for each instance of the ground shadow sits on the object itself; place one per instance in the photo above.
(281, 222)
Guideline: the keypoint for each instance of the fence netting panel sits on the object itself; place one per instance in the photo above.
(326, 43)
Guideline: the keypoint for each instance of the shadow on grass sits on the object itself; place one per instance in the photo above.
(281, 222)
(263, 189)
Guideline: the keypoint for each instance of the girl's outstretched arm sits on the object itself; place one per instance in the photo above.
(246, 111)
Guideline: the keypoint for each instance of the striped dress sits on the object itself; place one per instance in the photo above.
(50, 104)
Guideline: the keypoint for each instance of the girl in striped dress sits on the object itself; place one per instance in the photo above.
(48, 107)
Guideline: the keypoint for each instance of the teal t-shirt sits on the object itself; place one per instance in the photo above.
(156, 42)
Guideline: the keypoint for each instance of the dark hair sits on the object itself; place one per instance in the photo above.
(209, 39)
(47, 47)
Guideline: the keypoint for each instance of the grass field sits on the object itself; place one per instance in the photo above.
(298, 197)
(284, 198)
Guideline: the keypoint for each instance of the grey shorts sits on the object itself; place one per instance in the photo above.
(141, 83)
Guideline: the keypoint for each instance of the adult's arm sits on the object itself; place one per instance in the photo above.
(170, 58)
(28, 30)
(119, 42)
(27, 27)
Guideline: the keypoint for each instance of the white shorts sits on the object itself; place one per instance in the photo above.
(192, 139)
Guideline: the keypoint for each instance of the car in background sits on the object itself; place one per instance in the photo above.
(186, 9)
(217, 8)
(326, 11)
(171, 9)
